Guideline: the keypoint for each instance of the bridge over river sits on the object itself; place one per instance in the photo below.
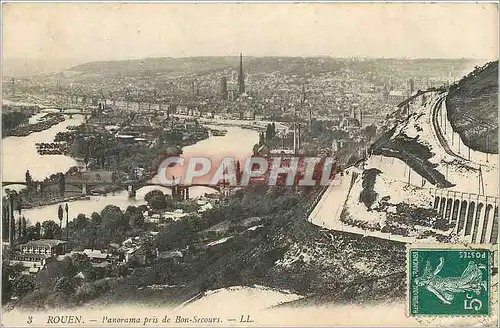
(180, 191)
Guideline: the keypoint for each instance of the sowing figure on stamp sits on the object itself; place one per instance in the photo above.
(445, 287)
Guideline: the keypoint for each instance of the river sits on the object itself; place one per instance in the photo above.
(19, 154)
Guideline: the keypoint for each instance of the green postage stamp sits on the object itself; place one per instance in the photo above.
(449, 281)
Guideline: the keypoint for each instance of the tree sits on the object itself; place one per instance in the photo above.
(370, 131)
(268, 132)
(114, 225)
(50, 229)
(81, 147)
(9, 273)
(19, 228)
(95, 224)
(116, 270)
(23, 285)
(12, 119)
(55, 270)
(152, 194)
(111, 213)
(29, 180)
(12, 199)
(131, 210)
(176, 234)
(72, 170)
(65, 285)
(18, 205)
(134, 217)
(80, 261)
(149, 250)
(80, 222)
(157, 202)
(255, 148)
(60, 213)
(31, 233)
(23, 227)
(66, 209)
(5, 219)
(95, 219)
(143, 208)
(38, 230)
(7, 289)
(62, 184)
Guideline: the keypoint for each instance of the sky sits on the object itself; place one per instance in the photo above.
(83, 32)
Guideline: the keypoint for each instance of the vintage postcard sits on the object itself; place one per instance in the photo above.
(231, 164)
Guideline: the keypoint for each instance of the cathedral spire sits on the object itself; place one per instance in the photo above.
(241, 77)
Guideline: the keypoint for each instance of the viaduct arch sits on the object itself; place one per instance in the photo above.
(474, 217)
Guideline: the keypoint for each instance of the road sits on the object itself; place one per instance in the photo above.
(327, 212)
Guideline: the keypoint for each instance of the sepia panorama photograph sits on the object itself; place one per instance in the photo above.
(249, 164)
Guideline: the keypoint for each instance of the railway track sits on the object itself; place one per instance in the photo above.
(437, 130)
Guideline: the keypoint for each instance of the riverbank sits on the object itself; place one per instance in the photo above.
(53, 201)
(20, 155)
(14, 117)
(244, 124)
(48, 121)
(281, 251)
(132, 148)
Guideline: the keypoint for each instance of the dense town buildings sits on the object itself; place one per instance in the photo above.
(258, 86)
(344, 95)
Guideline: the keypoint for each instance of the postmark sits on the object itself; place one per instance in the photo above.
(449, 281)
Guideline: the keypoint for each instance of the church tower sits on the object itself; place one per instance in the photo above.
(241, 77)
(223, 88)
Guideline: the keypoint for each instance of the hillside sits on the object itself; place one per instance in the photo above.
(281, 251)
(166, 68)
(201, 65)
(411, 142)
(473, 108)
(297, 65)
(156, 65)
(394, 193)
(285, 252)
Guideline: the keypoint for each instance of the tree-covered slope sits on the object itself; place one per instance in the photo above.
(473, 108)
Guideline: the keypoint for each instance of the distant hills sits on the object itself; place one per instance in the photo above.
(161, 70)
(197, 65)
(158, 65)
(116, 74)
(293, 65)
(15, 67)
